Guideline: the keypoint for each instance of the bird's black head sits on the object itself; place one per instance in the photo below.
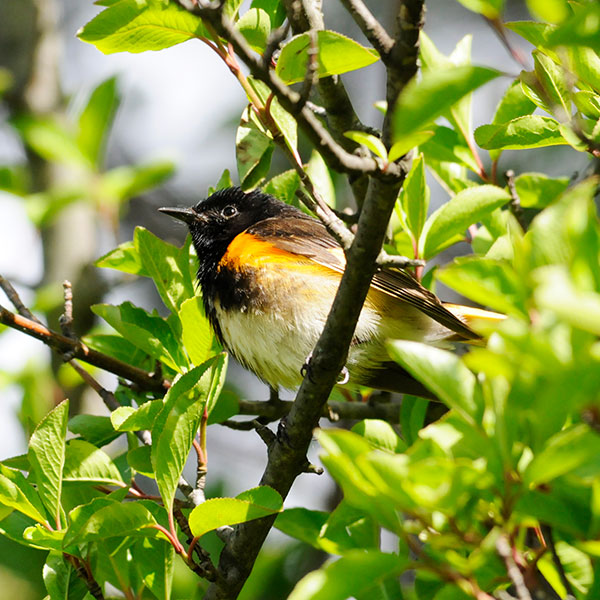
(214, 222)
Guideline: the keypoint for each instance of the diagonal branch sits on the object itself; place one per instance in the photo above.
(287, 454)
(336, 156)
(77, 349)
(370, 26)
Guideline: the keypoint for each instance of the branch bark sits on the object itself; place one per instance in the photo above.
(287, 457)
(335, 155)
(76, 349)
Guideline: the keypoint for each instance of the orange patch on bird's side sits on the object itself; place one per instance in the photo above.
(246, 250)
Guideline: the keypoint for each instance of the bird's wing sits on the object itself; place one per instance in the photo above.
(308, 237)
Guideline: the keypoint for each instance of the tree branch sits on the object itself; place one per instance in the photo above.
(341, 116)
(370, 26)
(336, 156)
(334, 411)
(77, 349)
(287, 458)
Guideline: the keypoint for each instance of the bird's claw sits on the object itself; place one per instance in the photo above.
(344, 376)
(306, 370)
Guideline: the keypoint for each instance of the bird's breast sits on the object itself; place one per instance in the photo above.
(270, 316)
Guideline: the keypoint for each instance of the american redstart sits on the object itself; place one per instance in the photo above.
(269, 273)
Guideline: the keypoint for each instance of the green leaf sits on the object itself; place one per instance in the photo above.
(420, 102)
(535, 33)
(412, 417)
(305, 525)
(582, 29)
(137, 26)
(51, 141)
(447, 146)
(557, 292)
(140, 460)
(61, 579)
(336, 533)
(122, 183)
(274, 9)
(286, 124)
(284, 186)
(85, 462)
(380, 435)
(154, 563)
(247, 506)
(47, 458)
(42, 208)
(399, 149)
(224, 182)
(530, 131)
(117, 346)
(127, 418)
(226, 405)
(96, 118)
(255, 26)
(253, 149)
(337, 54)
(585, 64)
(588, 104)
(441, 372)
(536, 190)
(43, 538)
(414, 197)
(565, 451)
(104, 518)
(453, 218)
(168, 266)
(16, 492)
(319, 174)
(124, 257)
(197, 335)
(493, 283)
(14, 179)
(94, 429)
(552, 78)
(553, 11)
(513, 104)
(176, 425)
(372, 142)
(349, 527)
(150, 333)
(355, 573)
(490, 9)
(217, 381)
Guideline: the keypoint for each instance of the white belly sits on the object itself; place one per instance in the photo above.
(275, 340)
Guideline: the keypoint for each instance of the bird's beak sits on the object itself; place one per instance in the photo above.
(187, 215)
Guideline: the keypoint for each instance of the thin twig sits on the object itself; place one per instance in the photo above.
(517, 54)
(370, 26)
(85, 573)
(514, 573)
(336, 156)
(515, 202)
(398, 262)
(66, 319)
(15, 300)
(78, 349)
(549, 539)
(273, 42)
(312, 67)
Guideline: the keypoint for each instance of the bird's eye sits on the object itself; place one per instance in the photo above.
(229, 211)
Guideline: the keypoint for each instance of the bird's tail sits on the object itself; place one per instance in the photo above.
(475, 316)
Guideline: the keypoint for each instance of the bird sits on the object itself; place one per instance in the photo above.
(268, 274)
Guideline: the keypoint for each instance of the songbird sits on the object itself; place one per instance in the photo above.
(268, 275)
